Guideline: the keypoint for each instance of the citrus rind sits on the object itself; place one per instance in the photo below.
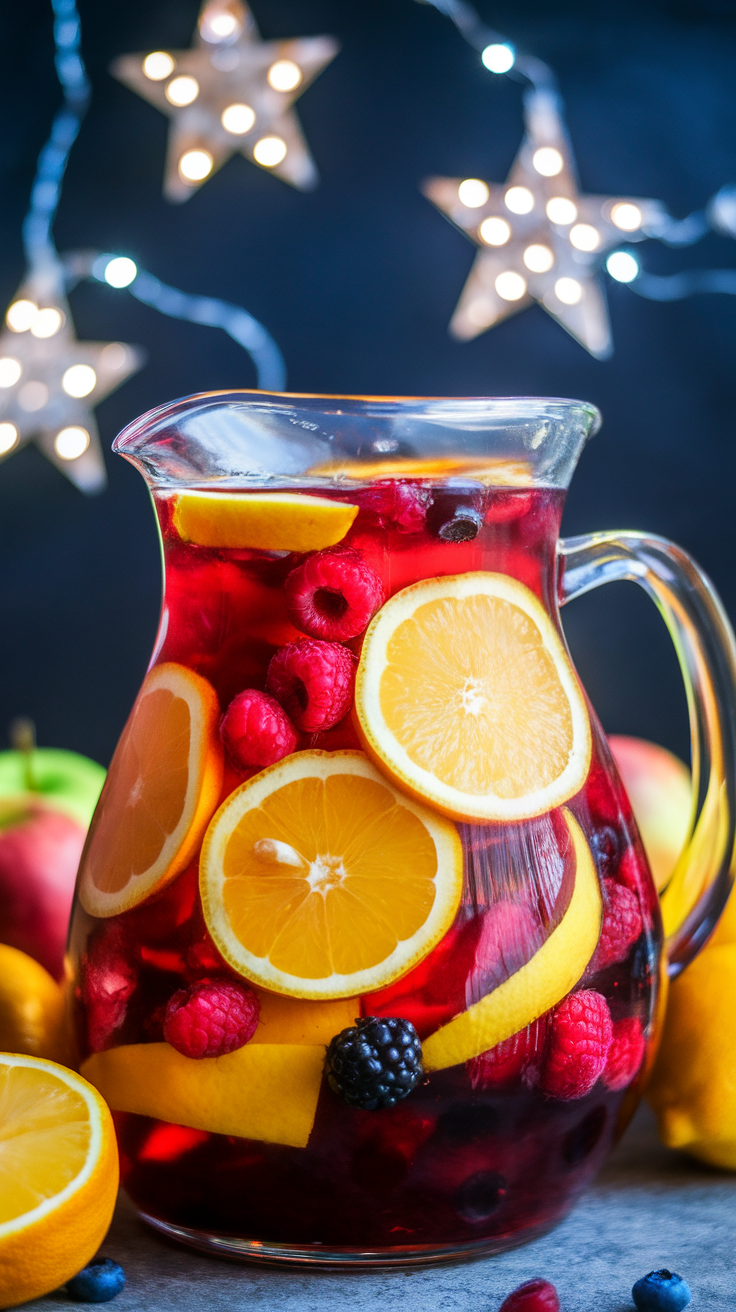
(265, 521)
(385, 749)
(201, 795)
(536, 987)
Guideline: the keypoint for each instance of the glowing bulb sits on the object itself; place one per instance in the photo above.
(548, 161)
(158, 65)
(182, 90)
(622, 266)
(498, 58)
(10, 371)
(238, 119)
(269, 151)
(21, 315)
(8, 438)
(79, 380)
(626, 216)
(71, 443)
(47, 322)
(120, 271)
(33, 396)
(472, 193)
(568, 290)
(494, 231)
(561, 210)
(538, 258)
(284, 75)
(223, 25)
(195, 165)
(481, 312)
(114, 356)
(519, 200)
(584, 237)
(510, 286)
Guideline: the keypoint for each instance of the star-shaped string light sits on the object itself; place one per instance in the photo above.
(49, 381)
(230, 92)
(540, 239)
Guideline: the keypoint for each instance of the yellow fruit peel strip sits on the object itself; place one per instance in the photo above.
(288, 521)
(291, 1020)
(543, 982)
(265, 1092)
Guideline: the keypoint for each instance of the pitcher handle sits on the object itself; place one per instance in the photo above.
(701, 880)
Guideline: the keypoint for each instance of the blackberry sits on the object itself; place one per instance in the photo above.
(375, 1063)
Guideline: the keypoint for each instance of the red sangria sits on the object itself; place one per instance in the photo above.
(366, 949)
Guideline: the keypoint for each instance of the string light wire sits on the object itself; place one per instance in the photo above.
(38, 239)
(719, 215)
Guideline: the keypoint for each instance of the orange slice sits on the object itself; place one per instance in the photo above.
(319, 880)
(271, 521)
(465, 695)
(161, 790)
(491, 471)
(58, 1176)
(536, 987)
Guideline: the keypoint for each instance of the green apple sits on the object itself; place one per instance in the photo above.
(64, 780)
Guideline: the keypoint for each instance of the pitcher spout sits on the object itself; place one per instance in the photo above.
(257, 439)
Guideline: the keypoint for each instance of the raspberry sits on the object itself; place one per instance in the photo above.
(532, 1296)
(109, 979)
(313, 681)
(580, 1034)
(626, 1053)
(256, 731)
(375, 1063)
(512, 1060)
(401, 505)
(211, 1018)
(333, 594)
(622, 925)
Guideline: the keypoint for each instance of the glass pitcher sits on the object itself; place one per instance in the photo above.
(366, 955)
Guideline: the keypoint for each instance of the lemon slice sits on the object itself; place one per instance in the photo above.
(267, 1092)
(536, 987)
(319, 880)
(466, 697)
(161, 789)
(58, 1176)
(271, 521)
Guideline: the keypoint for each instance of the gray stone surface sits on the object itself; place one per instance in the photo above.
(649, 1208)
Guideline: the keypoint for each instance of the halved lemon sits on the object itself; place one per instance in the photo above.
(466, 697)
(58, 1176)
(271, 521)
(319, 880)
(161, 790)
(536, 987)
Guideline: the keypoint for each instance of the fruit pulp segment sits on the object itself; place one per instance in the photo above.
(488, 1148)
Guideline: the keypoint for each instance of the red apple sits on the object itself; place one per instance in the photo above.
(39, 854)
(659, 790)
(47, 797)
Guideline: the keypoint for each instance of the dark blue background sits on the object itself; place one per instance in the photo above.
(357, 282)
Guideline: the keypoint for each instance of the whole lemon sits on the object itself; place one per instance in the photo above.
(693, 1088)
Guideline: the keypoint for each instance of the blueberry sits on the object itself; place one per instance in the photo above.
(661, 1291)
(98, 1282)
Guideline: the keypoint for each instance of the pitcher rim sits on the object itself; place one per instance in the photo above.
(364, 404)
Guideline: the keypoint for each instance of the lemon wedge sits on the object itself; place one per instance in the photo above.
(536, 987)
(269, 521)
